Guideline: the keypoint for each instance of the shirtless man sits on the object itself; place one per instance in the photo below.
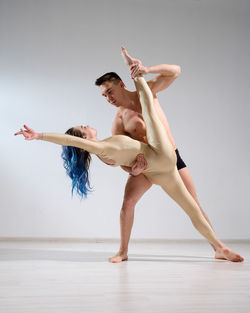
(128, 121)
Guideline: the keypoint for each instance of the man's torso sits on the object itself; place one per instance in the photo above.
(133, 124)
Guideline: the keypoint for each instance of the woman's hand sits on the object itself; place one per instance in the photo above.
(28, 133)
(139, 166)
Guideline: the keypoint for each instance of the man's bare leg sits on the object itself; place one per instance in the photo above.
(135, 188)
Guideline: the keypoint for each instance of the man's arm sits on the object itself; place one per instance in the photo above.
(168, 74)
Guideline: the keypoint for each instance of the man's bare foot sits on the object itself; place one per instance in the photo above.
(227, 254)
(128, 59)
(119, 257)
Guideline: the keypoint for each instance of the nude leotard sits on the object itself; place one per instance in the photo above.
(159, 154)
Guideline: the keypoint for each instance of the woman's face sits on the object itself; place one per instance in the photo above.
(87, 132)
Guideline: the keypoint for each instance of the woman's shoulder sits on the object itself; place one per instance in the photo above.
(116, 137)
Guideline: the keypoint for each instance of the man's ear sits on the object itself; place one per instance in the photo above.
(122, 84)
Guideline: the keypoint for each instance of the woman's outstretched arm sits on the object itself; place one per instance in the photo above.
(95, 147)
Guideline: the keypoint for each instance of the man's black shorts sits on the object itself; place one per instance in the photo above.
(180, 163)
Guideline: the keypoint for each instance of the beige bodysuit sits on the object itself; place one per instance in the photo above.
(159, 154)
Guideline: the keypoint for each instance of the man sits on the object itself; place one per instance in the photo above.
(128, 121)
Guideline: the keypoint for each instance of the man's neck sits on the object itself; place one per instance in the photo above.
(130, 100)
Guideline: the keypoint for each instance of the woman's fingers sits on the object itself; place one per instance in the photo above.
(27, 132)
(23, 132)
(26, 127)
(18, 133)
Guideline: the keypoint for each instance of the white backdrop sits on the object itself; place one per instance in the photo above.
(51, 53)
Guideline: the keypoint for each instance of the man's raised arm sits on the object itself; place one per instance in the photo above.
(168, 74)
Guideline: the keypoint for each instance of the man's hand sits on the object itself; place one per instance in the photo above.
(28, 133)
(135, 66)
(137, 70)
(168, 72)
(139, 166)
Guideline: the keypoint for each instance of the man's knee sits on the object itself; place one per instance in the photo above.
(129, 203)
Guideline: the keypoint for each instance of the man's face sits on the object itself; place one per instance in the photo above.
(113, 92)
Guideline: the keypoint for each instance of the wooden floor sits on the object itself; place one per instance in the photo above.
(159, 277)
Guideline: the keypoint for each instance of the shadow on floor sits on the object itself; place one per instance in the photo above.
(92, 256)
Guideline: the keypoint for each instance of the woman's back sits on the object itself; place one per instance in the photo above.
(122, 149)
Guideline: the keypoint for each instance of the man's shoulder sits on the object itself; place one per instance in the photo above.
(117, 125)
(118, 114)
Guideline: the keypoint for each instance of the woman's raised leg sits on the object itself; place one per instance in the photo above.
(156, 133)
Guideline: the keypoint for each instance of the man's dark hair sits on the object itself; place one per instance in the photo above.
(111, 76)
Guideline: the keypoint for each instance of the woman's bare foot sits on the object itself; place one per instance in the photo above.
(128, 59)
(119, 257)
(228, 254)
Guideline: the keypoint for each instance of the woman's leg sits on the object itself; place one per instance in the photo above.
(176, 189)
(156, 133)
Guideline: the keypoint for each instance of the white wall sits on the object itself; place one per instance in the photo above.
(51, 53)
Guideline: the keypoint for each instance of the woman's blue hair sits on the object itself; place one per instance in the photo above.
(76, 161)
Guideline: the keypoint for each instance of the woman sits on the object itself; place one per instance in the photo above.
(122, 150)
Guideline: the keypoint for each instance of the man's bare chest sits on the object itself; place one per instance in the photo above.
(129, 116)
(133, 124)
